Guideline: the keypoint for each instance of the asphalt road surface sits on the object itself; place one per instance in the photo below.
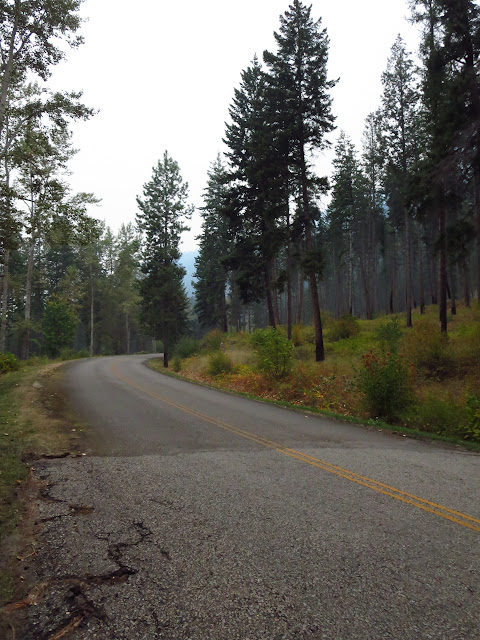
(202, 515)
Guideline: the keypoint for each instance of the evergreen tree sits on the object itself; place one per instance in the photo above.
(257, 198)
(400, 99)
(210, 270)
(163, 210)
(298, 71)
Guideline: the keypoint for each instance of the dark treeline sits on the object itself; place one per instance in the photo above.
(403, 225)
(401, 230)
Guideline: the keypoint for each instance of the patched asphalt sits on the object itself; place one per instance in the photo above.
(179, 526)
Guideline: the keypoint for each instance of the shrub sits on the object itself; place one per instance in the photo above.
(186, 347)
(386, 383)
(212, 341)
(176, 364)
(219, 362)
(389, 335)
(471, 430)
(429, 349)
(8, 362)
(274, 351)
(345, 327)
(71, 354)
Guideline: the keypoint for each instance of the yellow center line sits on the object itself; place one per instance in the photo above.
(408, 498)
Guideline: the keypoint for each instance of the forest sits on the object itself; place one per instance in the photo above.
(401, 229)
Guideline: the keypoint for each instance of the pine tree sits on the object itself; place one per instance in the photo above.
(210, 270)
(257, 196)
(298, 71)
(163, 211)
(400, 100)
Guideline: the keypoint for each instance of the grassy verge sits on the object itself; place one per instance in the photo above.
(378, 425)
(28, 429)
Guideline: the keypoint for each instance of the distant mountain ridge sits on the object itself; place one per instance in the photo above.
(188, 263)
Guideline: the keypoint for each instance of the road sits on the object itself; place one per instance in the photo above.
(203, 515)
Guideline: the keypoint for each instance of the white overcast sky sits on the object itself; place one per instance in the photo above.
(162, 73)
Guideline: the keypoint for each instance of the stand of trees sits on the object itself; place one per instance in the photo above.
(402, 227)
(403, 223)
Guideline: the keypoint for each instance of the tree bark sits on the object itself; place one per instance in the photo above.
(408, 269)
(165, 345)
(317, 319)
(421, 274)
(268, 292)
(91, 310)
(443, 268)
(3, 325)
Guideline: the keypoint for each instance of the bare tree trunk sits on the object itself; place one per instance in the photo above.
(443, 268)
(289, 278)
(421, 274)
(453, 289)
(127, 331)
(165, 345)
(350, 272)
(408, 269)
(3, 325)
(466, 281)
(268, 293)
(393, 298)
(28, 299)
(301, 291)
(91, 310)
(317, 319)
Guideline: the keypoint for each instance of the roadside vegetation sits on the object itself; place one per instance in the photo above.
(31, 426)
(377, 370)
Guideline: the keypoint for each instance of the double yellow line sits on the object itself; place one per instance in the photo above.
(380, 487)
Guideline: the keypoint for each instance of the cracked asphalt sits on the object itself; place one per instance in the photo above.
(201, 515)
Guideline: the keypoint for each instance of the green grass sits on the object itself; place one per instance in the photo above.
(13, 472)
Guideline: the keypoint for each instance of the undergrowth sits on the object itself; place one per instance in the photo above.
(374, 369)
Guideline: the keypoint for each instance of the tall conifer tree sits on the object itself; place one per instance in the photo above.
(163, 212)
(298, 71)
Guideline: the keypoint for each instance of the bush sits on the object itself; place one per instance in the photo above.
(386, 383)
(8, 362)
(71, 354)
(177, 364)
(471, 430)
(389, 335)
(274, 352)
(212, 341)
(186, 347)
(345, 327)
(219, 362)
(429, 349)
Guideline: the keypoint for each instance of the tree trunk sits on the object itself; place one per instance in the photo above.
(393, 298)
(301, 291)
(165, 345)
(289, 279)
(350, 272)
(453, 289)
(28, 299)
(8, 68)
(317, 319)
(466, 281)
(421, 274)
(3, 325)
(127, 332)
(268, 292)
(408, 269)
(91, 310)
(443, 268)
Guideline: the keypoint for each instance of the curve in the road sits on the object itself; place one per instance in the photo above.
(415, 501)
